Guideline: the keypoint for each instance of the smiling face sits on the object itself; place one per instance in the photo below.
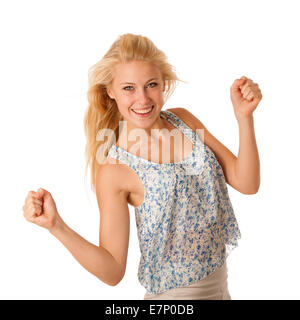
(138, 85)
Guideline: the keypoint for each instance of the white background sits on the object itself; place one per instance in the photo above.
(47, 48)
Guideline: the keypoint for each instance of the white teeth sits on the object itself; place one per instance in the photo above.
(143, 111)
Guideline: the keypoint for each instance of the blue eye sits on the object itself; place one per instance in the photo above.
(131, 86)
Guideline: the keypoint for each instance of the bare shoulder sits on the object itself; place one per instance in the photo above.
(188, 118)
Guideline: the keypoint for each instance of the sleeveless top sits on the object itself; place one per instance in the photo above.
(186, 224)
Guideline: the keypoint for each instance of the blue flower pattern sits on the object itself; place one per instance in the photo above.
(186, 224)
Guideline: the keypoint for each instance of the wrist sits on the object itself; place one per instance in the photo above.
(57, 227)
(245, 120)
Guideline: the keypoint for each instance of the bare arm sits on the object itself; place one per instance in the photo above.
(96, 260)
(247, 165)
(108, 260)
(114, 217)
(241, 173)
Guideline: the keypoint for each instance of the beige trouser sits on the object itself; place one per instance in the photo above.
(212, 287)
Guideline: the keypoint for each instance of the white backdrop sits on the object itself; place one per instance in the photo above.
(47, 48)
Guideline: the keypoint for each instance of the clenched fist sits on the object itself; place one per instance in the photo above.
(40, 208)
(245, 96)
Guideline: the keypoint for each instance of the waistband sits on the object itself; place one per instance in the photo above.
(212, 287)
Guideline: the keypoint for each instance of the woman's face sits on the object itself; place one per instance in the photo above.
(138, 85)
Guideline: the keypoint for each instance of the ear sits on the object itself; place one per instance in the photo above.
(109, 92)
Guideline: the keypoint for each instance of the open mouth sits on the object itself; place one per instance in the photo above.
(143, 114)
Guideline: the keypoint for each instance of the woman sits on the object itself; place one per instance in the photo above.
(185, 221)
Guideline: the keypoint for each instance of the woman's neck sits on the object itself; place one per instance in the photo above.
(130, 134)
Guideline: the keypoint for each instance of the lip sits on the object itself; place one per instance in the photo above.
(143, 115)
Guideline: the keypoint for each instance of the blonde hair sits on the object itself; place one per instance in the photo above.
(102, 115)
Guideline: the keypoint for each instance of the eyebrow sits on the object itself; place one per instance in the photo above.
(134, 83)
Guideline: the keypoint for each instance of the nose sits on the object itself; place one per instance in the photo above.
(143, 97)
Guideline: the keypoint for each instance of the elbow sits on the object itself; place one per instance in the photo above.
(113, 284)
(117, 280)
(252, 190)
(110, 280)
(255, 190)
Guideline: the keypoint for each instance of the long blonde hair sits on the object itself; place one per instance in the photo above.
(102, 115)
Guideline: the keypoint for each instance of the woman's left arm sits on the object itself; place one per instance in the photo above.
(242, 172)
(245, 96)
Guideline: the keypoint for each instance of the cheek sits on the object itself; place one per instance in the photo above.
(124, 102)
(161, 99)
(124, 99)
(158, 94)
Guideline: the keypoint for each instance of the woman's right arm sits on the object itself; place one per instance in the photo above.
(106, 261)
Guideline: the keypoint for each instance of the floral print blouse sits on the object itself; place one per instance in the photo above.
(186, 224)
